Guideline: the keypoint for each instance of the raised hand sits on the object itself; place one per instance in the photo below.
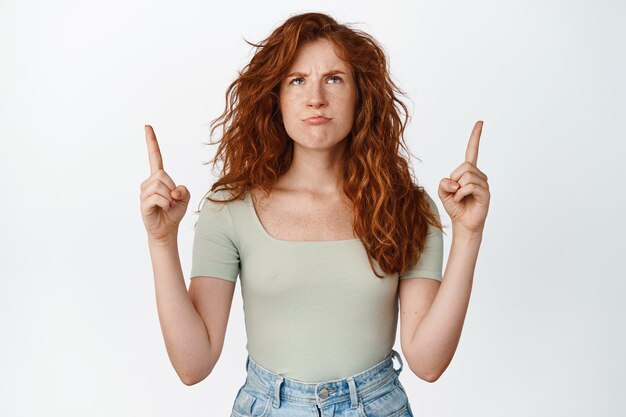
(163, 204)
(465, 195)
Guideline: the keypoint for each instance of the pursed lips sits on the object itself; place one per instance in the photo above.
(317, 119)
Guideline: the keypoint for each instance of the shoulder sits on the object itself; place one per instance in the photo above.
(431, 202)
(216, 199)
(216, 218)
(214, 210)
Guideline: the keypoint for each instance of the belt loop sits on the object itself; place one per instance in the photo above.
(277, 383)
(354, 399)
(397, 356)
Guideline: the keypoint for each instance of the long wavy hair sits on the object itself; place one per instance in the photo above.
(391, 212)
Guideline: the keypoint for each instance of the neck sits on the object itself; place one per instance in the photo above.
(315, 171)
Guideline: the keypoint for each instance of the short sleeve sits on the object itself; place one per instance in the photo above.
(215, 252)
(430, 264)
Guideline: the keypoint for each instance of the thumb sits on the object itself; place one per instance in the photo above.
(181, 193)
(447, 187)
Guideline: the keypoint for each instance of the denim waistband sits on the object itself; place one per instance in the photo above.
(323, 393)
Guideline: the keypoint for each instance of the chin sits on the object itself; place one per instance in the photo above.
(323, 140)
(317, 143)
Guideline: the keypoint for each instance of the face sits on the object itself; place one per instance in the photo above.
(319, 83)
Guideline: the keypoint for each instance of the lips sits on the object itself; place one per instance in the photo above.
(316, 120)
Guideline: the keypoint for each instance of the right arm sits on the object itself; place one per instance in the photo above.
(193, 322)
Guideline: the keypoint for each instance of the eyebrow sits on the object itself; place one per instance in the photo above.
(303, 74)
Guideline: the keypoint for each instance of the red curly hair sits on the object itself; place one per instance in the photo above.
(390, 212)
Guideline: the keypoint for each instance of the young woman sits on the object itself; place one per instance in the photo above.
(317, 213)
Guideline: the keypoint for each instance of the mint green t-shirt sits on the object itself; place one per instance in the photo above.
(314, 310)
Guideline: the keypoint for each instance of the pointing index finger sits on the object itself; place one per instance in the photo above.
(471, 154)
(154, 153)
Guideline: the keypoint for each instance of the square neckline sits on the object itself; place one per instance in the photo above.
(265, 233)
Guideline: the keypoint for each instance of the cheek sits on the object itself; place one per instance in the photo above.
(286, 106)
(289, 115)
(349, 105)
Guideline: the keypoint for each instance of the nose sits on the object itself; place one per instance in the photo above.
(316, 97)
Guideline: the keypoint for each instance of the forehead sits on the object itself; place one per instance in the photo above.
(319, 55)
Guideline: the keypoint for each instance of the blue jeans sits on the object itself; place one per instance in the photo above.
(375, 392)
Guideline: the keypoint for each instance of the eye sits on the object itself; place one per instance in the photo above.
(335, 77)
(296, 79)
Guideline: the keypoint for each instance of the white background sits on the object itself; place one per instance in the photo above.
(79, 331)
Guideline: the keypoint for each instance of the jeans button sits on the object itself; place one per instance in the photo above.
(324, 393)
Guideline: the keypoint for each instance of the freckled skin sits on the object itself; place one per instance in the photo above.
(317, 92)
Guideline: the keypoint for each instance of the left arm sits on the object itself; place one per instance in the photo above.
(433, 313)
